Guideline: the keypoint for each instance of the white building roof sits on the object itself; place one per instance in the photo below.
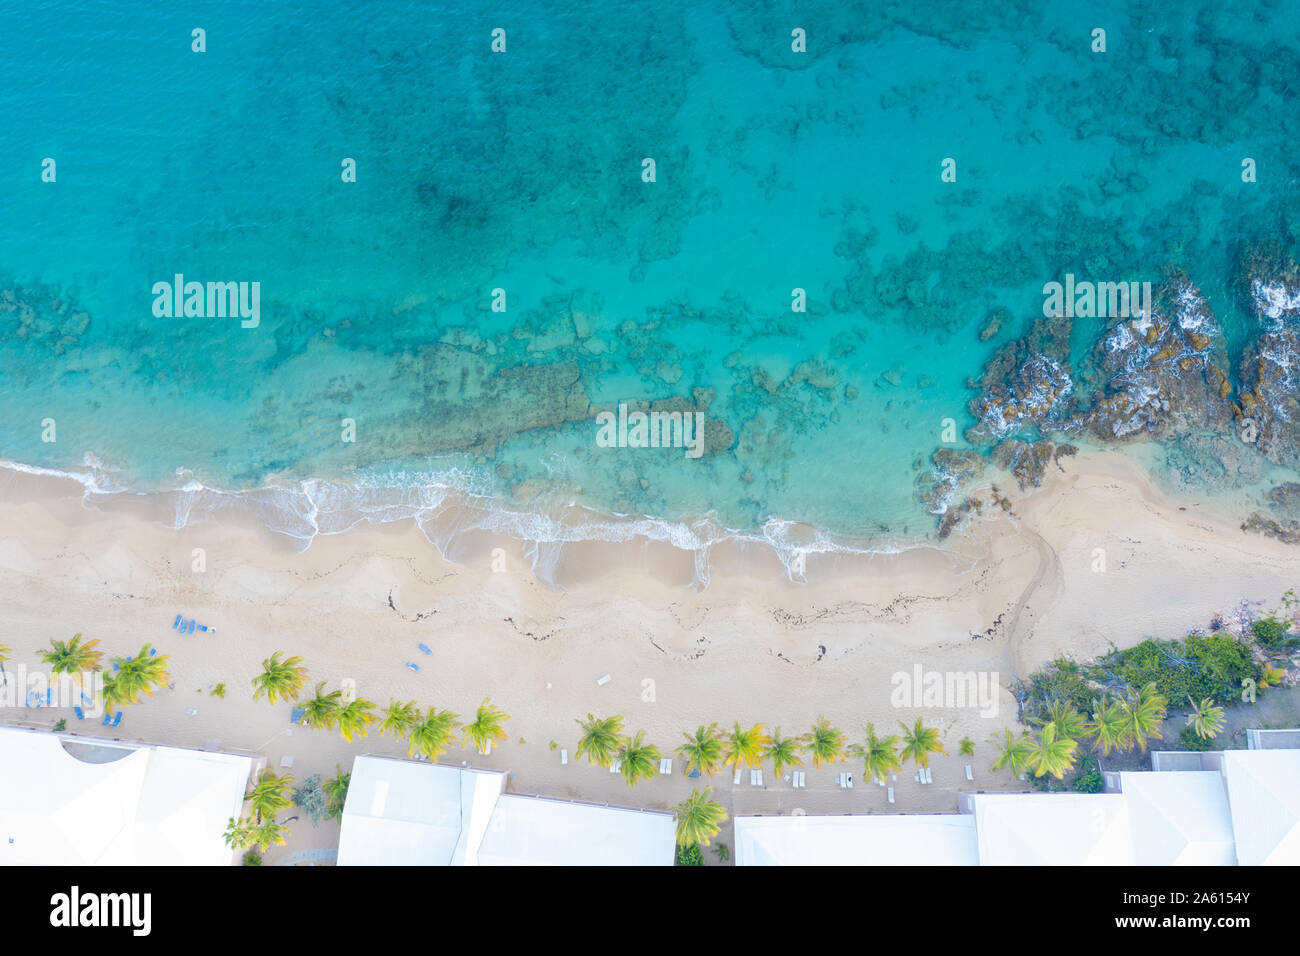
(940, 839)
(1053, 829)
(530, 831)
(412, 813)
(1264, 798)
(125, 805)
(1179, 819)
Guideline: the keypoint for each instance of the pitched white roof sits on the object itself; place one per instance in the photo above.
(1179, 818)
(940, 839)
(412, 813)
(125, 805)
(1053, 829)
(1264, 798)
(530, 831)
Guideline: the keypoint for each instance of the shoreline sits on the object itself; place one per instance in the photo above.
(1007, 593)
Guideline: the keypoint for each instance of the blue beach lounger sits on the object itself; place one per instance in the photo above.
(191, 630)
(76, 709)
(117, 718)
(31, 698)
(153, 652)
(424, 648)
(107, 719)
(413, 666)
(86, 698)
(49, 697)
(203, 627)
(296, 716)
(176, 623)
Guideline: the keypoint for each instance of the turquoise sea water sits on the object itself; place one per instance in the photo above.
(522, 171)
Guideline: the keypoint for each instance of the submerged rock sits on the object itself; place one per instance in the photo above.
(1028, 461)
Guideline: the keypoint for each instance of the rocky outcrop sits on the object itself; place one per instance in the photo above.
(1028, 461)
(1025, 385)
(1163, 372)
(1269, 408)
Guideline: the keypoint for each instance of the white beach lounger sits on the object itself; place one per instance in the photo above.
(848, 780)
(803, 779)
(929, 775)
(840, 780)
(602, 681)
(969, 775)
(614, 765)
(564, 757)
(666, 766)
(736, 779)
(756, 778)
(891, 794)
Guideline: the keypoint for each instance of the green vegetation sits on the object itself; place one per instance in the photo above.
(638, 760)
(312, 800)
(400, 718)
(73, 657)
(745, 745)
(601, 739)
(321, 712)
(690, 856)
(783, 752)
(355, 717)
(280, 679)
(699, 817)
(825, 743)
(433, 735)
(1206, 719)
(721, 851)
(879, 755)
(487, 726)
(702, 750)
(919, 742)
(336, 790)
(135, 676)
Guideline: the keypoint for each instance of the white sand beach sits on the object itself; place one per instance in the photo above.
(1010, 592)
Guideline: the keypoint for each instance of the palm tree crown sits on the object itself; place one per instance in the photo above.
(601, 739)
(488, 725)
(699, 818)
(280, 679)
(745, 745)
(919, 742)
(702, 750)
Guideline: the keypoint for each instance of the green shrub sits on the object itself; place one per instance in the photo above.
(1273, 634)
(252, 858)
(1061, 680)
(689, 856)
(1188, 739)
(1088, 782)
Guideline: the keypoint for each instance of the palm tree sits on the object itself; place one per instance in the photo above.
(264, 833)
(825, 743)
(399, 718)
(966, 747)
(432, 736)
(322, 711)
(1107, 726)
(1015, 752)
(135, 676)
(1052, 752)
(638, 760)
(703, 751)
(239, 833)
(355, 717)
(73, 657)
(1206, 718)
(699, 817)
(783, 752)
(488, 725)
(601, 738)
(1069, 722)
(280, 679)
(336, 791)
(271, 794)
(879, 756)
(1142, 715)
(919, 742)
(745, 746)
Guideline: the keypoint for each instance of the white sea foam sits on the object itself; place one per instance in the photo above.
(445, 505)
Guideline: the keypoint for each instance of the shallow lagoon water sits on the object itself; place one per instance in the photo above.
(522, 171)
